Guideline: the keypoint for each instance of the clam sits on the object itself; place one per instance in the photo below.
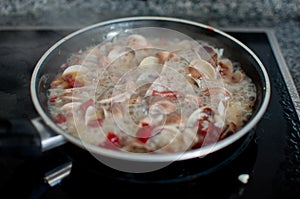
(76, 97)
(209, 54)
(134, 99)
(165, 56)
(175, 119)
(218, 99)
(235, 114)
(237, 76)
(217, 91)
(116, 111)
(226, 67)
(137, 41)
(207, 124)
(78, 69)
(102, 113)
(205, 69)
(150, 60)
(194, 100)
(122, 63)
(93, 116)
(193, 81)
(152, 120)
(150, 65)
(136, 146)
(90, 115)
(204, 113)
(119, 51)
(193, 72)
(222, 108)
(59, 83)
(71, 106)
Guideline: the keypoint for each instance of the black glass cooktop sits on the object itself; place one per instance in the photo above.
(263, 164)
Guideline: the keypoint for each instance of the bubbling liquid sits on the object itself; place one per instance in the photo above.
(142, 95)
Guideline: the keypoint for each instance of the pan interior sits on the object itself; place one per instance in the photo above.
(49, 64)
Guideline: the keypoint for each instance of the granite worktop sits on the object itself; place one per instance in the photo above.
(281, 15)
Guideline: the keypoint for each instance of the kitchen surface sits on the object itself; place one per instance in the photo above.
(267, 166)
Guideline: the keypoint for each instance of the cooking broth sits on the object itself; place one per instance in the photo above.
(158, 95)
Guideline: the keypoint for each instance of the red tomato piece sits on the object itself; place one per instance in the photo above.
(167, 94)
(113, 138)
(53, 99)
(144, 134)
(144, 124)
(197, 145)
(201, 130)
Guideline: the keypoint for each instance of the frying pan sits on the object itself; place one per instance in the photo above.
(42, 133)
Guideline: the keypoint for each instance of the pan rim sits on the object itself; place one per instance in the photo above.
(201, 152)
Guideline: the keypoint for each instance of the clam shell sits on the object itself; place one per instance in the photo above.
(70, 106)
(90, 114)
(118, 51)
(198, 114)
(79, 69)
(137, 41)
(149, 61)
(205, 68)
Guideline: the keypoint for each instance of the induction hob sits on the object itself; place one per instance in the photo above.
(265, 165)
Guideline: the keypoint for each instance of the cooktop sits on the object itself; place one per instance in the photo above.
(263, 164)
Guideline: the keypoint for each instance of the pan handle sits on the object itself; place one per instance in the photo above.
(24, 137)
(49, 139)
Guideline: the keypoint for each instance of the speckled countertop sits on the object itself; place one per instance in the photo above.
(281, 15)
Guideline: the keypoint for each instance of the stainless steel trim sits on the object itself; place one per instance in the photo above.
(38, 28)
(285, 71)
(246, 29)
(49, 140)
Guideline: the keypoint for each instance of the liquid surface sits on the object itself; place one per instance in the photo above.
(158, 95)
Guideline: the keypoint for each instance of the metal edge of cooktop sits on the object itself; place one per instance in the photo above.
(285, 71)
(288, 79)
